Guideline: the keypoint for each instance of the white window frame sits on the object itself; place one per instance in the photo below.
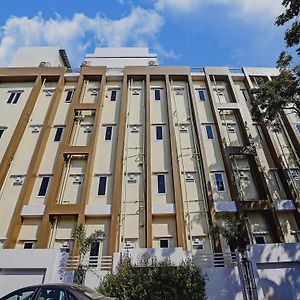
(47, 189)
(222, 175)
(212, 131)
(98, 186)
(165, 181)
(164, 239)
(112, 132)
(162, 132)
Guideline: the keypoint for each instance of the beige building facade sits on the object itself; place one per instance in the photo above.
(147, 153)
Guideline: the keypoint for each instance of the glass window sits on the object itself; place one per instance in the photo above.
(159, 132)
(209, 132)
(298, 127)
(44, 186)
(161, 184)
(164, 243)
(1, 132)
(108, 133)
(51, 294)
(22, 294)
(113, 96)
(28, 245)
(260, 239)
(13, 97)
(94, 252)
(201, 94)
(102, 185)
(69, 97)
(156, 94)
(58, 134)
(219, 182)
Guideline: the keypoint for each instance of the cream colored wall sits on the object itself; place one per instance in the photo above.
(258, 226)
(105, 151)
(221, 85)
(132, 220)
(90, 91)
(164, 228)
(10, 113)
(288, 226)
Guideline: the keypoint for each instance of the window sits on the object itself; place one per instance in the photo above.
(298, 127)
(94, 252)
(201, 94)
(28, 245)
(161, 184)
(21, 294)
(102, 186)
(209, 132)
(156, 94)
(69, 97)
(58, 134)
(164, 243)
(1, 132)
(44, 186)
(113, 96)
(51, 293)
(13, 97)
(219, 182)
(260, 239)
(159, 132)
(108, 133)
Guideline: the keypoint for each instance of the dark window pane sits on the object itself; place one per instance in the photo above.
(161, 185)
(298, 128)
(28, 245)
(93, 260)
(21, 294)
(59, 131)
(16, 98)
(11, 97)
(157, 94)
(219, 182)
(52, 294)
(159, 132)
(44, 186)
(108, 133)
(260, 240)
(113, 96)
(102, 185)
(1, 132)
(164, 243)
(69, 96)
(202, 95)
(209, 132)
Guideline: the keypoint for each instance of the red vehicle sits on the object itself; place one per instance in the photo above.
(58, 291)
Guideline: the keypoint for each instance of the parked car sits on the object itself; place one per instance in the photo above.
(55, 292)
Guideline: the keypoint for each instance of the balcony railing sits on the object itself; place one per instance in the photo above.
(215, 259)
(103, 263)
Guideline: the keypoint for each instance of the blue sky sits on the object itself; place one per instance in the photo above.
(197, 33)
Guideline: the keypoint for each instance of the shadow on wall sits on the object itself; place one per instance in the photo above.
(277, 270)
(223, 283)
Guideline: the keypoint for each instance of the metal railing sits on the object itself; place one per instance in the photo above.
(103, 263)
(197, 70)
(215, 259)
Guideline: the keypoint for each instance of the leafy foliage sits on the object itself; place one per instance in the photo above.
(234, 231)
(279, 94)
(154, 280)
(292, 34)
(83, 244)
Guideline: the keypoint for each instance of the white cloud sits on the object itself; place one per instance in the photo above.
(238, 8)
(140, 27)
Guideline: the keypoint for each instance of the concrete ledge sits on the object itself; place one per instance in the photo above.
(163, 209)
(284, 205)
(225, 206)
(33, 210)
(98, 210)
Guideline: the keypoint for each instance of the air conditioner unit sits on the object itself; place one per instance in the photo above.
(134, 129)
(94, 92)
(19, 180)
(152, 63)
(230, 129)
(135, 92)
(189, 177)
(35, 129)
(49, 93)
(294, 174)
(45, 64)
(183, 128)
(85, 63)
(77, 179)
(226, 112)
(88, 129)
(131, 178)
(128, 244)
(243, 175)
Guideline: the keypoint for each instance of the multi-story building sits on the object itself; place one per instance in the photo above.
(147, 153)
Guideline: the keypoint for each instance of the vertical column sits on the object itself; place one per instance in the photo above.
(118, 170)
(180, 224)
(24, 197)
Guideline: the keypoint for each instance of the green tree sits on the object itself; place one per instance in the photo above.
(234, 231)
(154, 280)
(273, 97)
(83, 244)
